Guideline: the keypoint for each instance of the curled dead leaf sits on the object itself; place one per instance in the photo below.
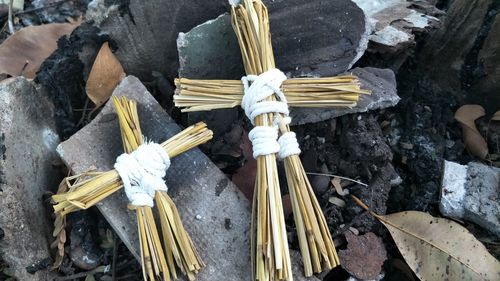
(59, 232)
(244, 178)
(106, 74)
(22, 53)
(496, 116)
(474, 142)
(438, 249)
(338, 187)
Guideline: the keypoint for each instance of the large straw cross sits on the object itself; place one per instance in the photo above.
(270, 256)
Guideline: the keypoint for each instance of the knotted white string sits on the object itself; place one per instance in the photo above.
(256, 90)
(262, 87)
(142, 173)
(287, 141)
(265, 139)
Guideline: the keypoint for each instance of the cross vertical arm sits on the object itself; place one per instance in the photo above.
(252, 30)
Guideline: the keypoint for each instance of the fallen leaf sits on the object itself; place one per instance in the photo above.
(22, 53)
(473, 140)
(59, 231)
(364, 256)
(337, 201)
(105, 75)
(338, 187)
(244, 178)
(496, 116)
(439, 249)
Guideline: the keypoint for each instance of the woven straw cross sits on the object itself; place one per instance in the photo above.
(87, 189)
(270, 256)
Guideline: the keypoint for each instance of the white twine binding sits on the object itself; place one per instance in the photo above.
(288, 141)
(265, 139)
(142, 173)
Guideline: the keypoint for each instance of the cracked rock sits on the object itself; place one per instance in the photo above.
(27, 152)
(471, 192)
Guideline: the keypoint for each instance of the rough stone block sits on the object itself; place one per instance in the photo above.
(471, 192)
(393, 22)
(145, 31)
(27, 155)
(329, 44)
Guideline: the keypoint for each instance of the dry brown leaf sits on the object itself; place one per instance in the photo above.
(338, 187)
(473, 140)
(496, 116)
(244, 178)
(105, 75)
(439, 249)
(22, 53)
(59, 231)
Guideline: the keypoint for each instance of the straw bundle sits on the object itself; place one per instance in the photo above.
(90, 188)
(270, 256)
(315, 241)
(329, 92)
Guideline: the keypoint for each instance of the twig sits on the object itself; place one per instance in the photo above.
(115, 254)
(78, 275)
(24, 68)
(335, 176)
(10, 20)
(85, 108)
(127, 277)
(41, 8)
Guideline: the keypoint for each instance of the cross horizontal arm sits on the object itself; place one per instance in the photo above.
(326, 92)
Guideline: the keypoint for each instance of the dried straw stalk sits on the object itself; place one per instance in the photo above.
(180, 251)
(270, 256)
(329, 92)
(316, 244)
